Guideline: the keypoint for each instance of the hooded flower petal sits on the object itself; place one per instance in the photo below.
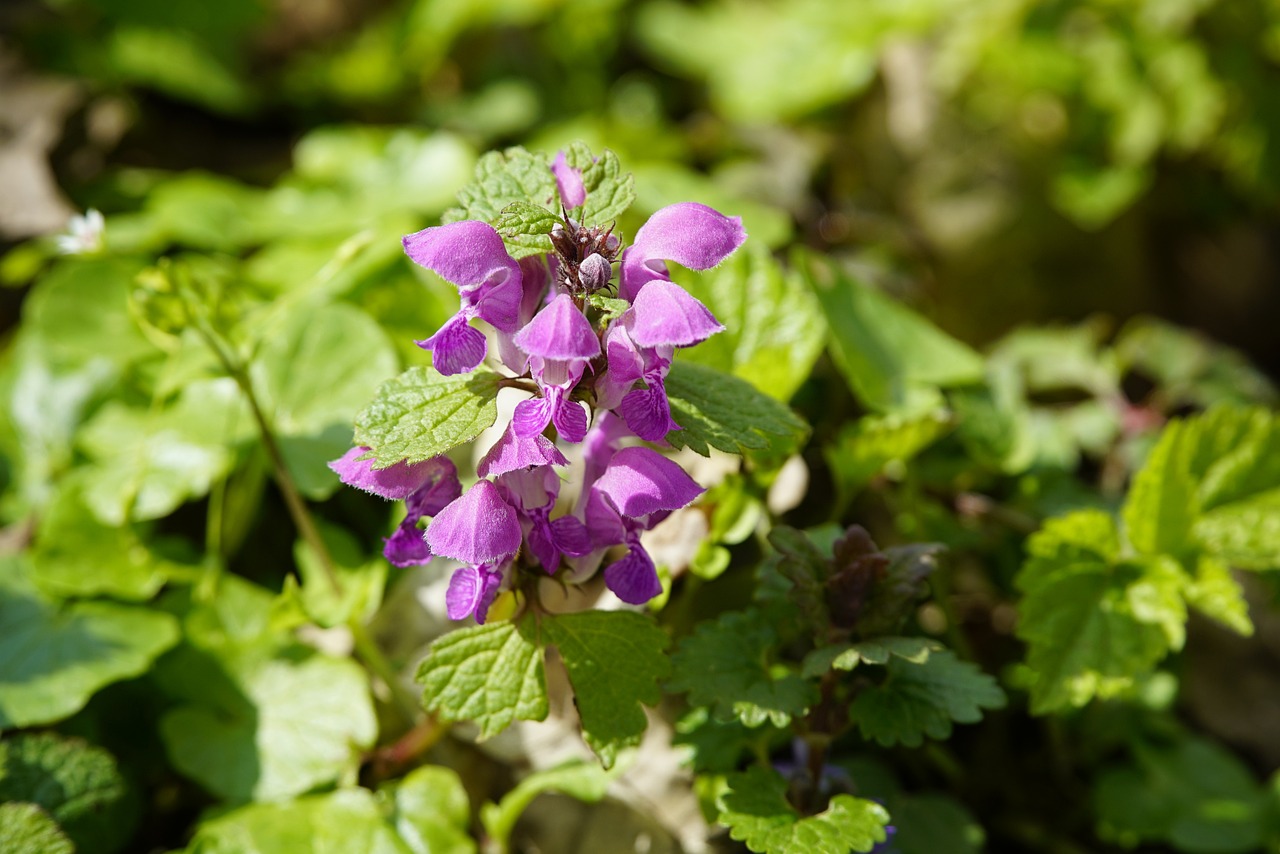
(395, 482)
(640, 482)
(667, 316)
(477, 528)
(560, 331)
(468, 254)
(692, 235)
(633, 579)
(568, 182)
(513, 452)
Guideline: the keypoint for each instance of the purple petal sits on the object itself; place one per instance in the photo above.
(633, 579)
(499, 305)
(543, 546)
(457, 347)
(693, 235)
(604, 525)
(442, 491)
(666, 315)
(477, 528)
(640, 481)
(468, 254)
(571, 536)
(560, 331)
(531, 417)
(395, 482)
(406, 547)
(570, 417)
(648, 413)
(568, 182)
(513, 452)
(471, 592)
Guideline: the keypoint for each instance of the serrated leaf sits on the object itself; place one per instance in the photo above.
(55, 656)
(524, 227)
(1244, 533)
(502, 178)
(27, 829)
(775, 330)
(270, 726)
(592, 645)
(1214, 593)
(847, 656)
(924, 698)
(342, 822)
(716, 410)
(584, 781)
(725, 665)
(76, 783)
(490, 675)
(421, 414)
(893, 359)
(1084, 636)
(1162, 502)
(754, 807)
(610, 191)
(430, 811)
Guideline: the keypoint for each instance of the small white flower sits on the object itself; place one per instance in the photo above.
(84, 234)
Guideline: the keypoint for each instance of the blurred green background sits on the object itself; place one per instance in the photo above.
(998, 162)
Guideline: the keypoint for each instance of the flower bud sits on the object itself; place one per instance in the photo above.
(594, 272)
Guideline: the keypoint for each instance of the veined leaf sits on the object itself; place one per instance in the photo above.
(717, 410)
(421, 414)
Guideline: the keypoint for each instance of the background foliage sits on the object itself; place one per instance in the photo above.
(1012, 263)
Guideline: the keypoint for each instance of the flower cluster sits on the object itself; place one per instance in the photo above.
(597, 378)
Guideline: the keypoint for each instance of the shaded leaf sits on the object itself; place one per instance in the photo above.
(720, 411)
(347, 821)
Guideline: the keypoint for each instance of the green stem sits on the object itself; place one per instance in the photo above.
(373, 658)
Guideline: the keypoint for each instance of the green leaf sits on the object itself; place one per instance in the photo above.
(775, 330)
(893, 359)
(80, 313)
(876, 443)
(726, 665)
(524, 228)
(919, 698)
(1193, 795)
(490, 675)
(615, 660)
(421, 414)
(27, 829)
(610, 191)
(720, 411)
(147, 463)
(1189, 368)
(360, 582)
(1214, 593)
(754, 807)
(928, 824)
(847, 656)
(1085, 634)
(430, 810)
(347, 821)
(268, 727)
(76, 783)
(312, 374)
(585, 781)
(77, 555)
(502, 178)
(1244, 533)
(54, 657)
(1161, 504)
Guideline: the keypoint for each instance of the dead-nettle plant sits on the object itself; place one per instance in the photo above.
(587, 324)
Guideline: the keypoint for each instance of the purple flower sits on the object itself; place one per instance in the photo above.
(560, 342)
(692, 235)
(568, 182)
(482, 530)
(471, 255)
(512, 452)
(533, 492)
(645, 410)
(426, 487)
(638, 489)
